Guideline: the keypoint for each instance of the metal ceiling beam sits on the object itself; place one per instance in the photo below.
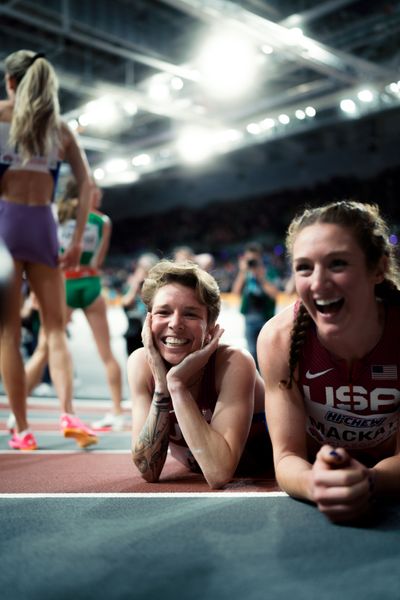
(320, 57)
(316, 12)
(93, 41)
(175, 110)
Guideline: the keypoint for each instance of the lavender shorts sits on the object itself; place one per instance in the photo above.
(29, 232)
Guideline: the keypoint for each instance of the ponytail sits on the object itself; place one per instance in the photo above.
(35, 122)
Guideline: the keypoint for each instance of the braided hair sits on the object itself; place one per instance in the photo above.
(371, 233)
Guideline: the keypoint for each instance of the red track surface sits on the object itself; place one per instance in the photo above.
(61, 467)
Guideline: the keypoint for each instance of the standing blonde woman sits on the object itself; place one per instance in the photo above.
(33, 143)
(83, 291)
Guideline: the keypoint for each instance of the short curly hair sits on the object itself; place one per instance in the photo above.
(188, 274)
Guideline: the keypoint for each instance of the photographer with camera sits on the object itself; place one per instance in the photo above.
(258, 295)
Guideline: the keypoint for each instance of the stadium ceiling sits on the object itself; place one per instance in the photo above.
(130, 81)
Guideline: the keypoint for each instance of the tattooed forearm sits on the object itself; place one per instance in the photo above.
(151, 447)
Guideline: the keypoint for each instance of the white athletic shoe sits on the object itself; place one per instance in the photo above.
(11, 423)
(109, 422)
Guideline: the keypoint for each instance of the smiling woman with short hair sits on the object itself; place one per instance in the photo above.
(192, 393)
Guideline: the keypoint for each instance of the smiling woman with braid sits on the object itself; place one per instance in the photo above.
(331, 363)
(192, 393)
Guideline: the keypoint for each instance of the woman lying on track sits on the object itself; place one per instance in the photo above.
(331, 363)
(192, 393)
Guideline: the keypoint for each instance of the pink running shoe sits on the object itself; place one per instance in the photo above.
(72, 427)
(26, 442)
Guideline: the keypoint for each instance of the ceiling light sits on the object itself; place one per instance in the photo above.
(393, 87)
(348, 106)
(195, 145)
(254, 128)
(130, 107)
(267, 49)
(116, 165)
(267, 123)
(73, 124)
(365, 96)
(126, 177)
(101, 113)
(176, 83)
(159, 91)
(228, 66)
(294, 35)
(284, 119)
(84, 120)
(141, 160)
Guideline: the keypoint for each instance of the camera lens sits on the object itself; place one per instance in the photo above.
(252, 262)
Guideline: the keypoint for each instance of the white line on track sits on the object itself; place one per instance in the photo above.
(53, 402)
(57, 433)
(77, 451)
(226, 494)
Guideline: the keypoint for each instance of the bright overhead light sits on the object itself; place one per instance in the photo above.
(348, 106)
(294, 35)
(228, 65)
(84, 120)
(102, 114)
(284, 119)
(195, 144)
(300, 114)
(130, 107)
(116, 165)
(176, 83)
(365, 96)
(393, 87)
(126, 177)
(73, 124)
(226, 139)
(253, 128)
(141, 160)
(98, 174)
(310, 111)
(267, 49)
(267, 123)
(230, 135)
(159, 90)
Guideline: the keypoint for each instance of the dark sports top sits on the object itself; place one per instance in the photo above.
(359, 407)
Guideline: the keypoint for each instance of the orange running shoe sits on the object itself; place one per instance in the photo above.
(72, 427)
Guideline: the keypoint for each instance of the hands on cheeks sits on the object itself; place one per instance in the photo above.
(154, 358)
(340, 485)
(194, 362)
